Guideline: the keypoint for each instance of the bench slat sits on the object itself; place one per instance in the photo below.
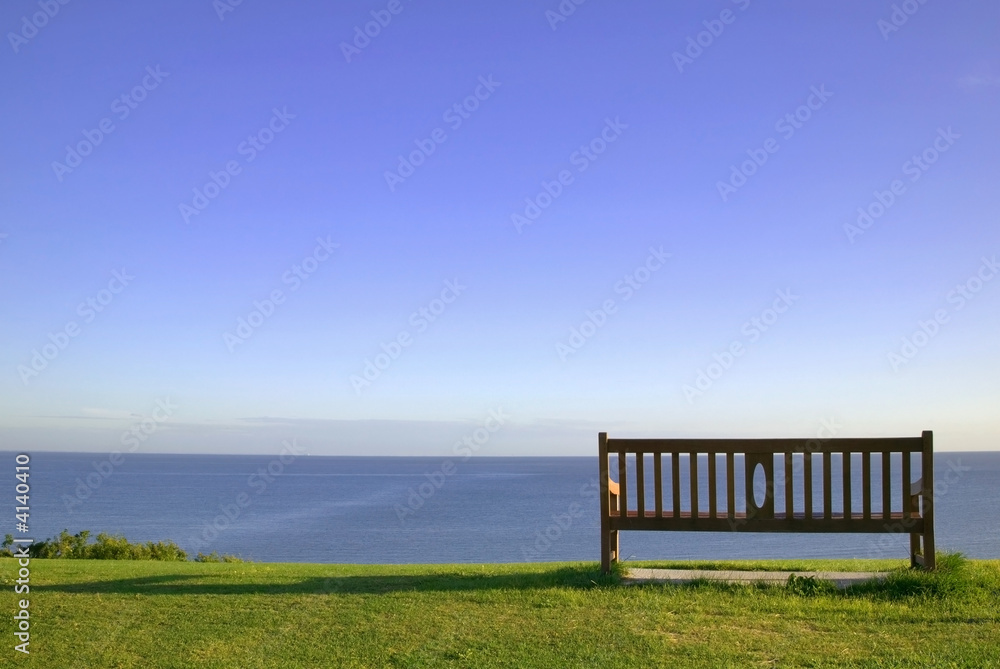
(886, 486)
(730, 486)
(640, 483)
(906, 486)
(847, 484)
(807, 476)
(658, 483)
(623, 483)
(675, 468)
(789, 499)
(827, 486)
(711, 486)
(866, 484)
(694, 484)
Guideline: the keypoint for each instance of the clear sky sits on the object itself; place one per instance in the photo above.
(253, 222)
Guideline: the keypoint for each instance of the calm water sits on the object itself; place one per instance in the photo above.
(361, 509)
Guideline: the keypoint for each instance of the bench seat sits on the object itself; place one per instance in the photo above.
(780, 523)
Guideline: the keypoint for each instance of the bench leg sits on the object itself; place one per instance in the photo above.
(605, 553)
(609, 550)
(922, 545)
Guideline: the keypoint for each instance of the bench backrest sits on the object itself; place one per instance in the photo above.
(647, 466)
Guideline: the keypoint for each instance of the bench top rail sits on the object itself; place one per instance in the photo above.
(842, 445)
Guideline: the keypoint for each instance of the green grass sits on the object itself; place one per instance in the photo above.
(88, 613)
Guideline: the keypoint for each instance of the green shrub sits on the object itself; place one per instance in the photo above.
(809, 585)
(950, 578)
(107, 547)
(215, 557)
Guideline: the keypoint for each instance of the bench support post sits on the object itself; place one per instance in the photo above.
(609, 537)
(927, 501)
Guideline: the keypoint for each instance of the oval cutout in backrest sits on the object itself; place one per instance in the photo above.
(759, 485)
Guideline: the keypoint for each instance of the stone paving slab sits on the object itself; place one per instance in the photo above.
(841, 579)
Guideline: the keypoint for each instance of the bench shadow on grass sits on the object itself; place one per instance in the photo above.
(221, 584)
(900, 584)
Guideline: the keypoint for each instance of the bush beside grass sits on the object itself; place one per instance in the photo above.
(215, 557)
(108, 547)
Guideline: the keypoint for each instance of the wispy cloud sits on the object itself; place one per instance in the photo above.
(979, 80)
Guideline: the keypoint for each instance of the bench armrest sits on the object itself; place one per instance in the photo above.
(612, 487)
(917, 487)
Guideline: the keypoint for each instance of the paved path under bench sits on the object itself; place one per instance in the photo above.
(841, 579)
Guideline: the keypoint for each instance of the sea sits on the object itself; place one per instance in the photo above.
(392, 510)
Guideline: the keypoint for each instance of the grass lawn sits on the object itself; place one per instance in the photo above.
(94, 613)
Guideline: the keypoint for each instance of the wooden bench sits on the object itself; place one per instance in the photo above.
(792, 504)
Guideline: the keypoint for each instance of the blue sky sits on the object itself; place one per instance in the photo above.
(690, 166)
